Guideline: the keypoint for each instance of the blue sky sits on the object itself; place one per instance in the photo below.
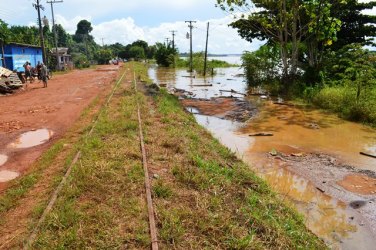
(125, 21)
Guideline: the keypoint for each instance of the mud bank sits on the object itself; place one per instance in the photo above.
(223, 107)
(337, 180)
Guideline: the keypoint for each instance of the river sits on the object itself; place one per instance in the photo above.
(317, 151)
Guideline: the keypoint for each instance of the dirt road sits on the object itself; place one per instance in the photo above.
(54, 108)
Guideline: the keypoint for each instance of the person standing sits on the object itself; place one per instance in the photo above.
(39, 68)
(27, 67)
(44, 74)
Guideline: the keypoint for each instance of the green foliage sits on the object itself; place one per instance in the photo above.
(350, 84)
(4, 32)
(137, 52)
(103, 56)
(262, 66)
(80, 60)
(165, 55)
(356, 27)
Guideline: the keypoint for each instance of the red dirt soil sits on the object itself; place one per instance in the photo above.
(56, 108)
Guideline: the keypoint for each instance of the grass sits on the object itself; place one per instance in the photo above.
(342, 100)
(208, 199)
(204, 197)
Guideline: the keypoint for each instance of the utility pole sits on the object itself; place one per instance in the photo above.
(173, 38)
(38, 6)
(54, 30)
(206, 49)
(167, 41)
(102, 41)
(190, 37)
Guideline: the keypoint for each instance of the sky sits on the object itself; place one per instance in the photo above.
(125, 21)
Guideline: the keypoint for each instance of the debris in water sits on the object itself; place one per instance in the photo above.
(6, 175)
(273, 152)
(202, 85)
(366, 154)
(297, 154)
(32, 138)
(261, 134)
(357, 204)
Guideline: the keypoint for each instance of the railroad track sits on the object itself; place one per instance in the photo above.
(151, 215)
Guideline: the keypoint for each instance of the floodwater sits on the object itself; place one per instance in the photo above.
(307, 130)
(3, 159)
(6, 175)
(296, 130)
(32, 138)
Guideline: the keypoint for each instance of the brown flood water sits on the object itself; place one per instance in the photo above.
(307, 130)
(295, 130)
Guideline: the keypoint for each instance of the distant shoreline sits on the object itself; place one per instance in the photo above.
(213, 55)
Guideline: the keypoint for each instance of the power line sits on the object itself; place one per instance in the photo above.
(167, 41)
(206, 49)
(173, 32)
(54, 30)
(38, 7)
(190, 37)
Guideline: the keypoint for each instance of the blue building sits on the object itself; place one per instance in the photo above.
(17, 54)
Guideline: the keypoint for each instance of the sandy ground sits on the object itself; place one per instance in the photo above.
(54, 108)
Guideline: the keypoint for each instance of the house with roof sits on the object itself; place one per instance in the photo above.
(65, 60)
(16, 54)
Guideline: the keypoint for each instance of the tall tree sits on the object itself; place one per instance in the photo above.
(357, 27)
(286, 23)
(83, 31)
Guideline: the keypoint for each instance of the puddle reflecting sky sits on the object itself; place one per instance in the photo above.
(6, 175)
(3, 159)
(32, 138)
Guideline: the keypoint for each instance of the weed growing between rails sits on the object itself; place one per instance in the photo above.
(205, 197)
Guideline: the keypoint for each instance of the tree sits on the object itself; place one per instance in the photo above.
(165, 54)
(63, 38)
(83, 30)
(4, 38)
(137, 52)
(103, 56)
(356, 26)
(287, 24)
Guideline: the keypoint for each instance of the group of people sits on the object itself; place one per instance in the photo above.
(40, 71)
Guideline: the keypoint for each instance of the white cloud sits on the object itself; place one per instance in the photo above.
(222, 39)
(70, 25)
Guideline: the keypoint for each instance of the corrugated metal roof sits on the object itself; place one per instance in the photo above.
(25, 45)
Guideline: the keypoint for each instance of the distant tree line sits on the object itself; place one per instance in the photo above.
(83, 48)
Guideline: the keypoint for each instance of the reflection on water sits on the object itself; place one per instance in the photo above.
(181, 79)
(295, 130)
(310, 130)
(6, 175)
(225, 132)
(3, 159)
(32, 138)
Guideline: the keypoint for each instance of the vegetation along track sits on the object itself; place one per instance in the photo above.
(203, 196)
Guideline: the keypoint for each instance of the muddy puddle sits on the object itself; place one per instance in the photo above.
(32, 138)
(3, 159)
(314, 184)
(6, 175)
